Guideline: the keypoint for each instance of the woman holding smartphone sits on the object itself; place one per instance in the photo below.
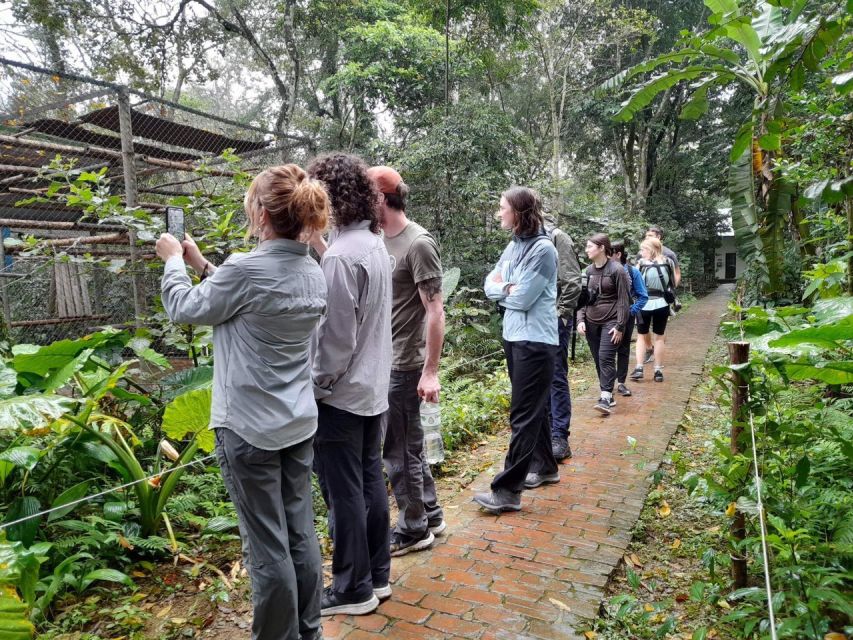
(264, 306)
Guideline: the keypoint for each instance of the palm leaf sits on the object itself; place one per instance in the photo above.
(647, 92)
(744, 213)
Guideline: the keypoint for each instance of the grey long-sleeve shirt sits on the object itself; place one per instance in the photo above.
(263, 306)
(352, 354)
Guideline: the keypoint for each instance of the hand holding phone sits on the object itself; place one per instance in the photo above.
(175, 222)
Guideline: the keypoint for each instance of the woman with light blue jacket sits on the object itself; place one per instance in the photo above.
(524, 284)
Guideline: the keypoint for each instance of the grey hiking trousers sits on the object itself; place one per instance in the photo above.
(271, 491)
(403, 456)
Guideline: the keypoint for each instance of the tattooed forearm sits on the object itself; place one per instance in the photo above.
(431, 288)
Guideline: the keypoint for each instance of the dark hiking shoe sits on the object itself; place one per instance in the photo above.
(498, 501)
(437, 526)
(331, 603)
(534, 480)
(383, 593)
(316, 636)
(612, 402)
(650, 355)
(603, 406)
(623, 390)
(401, 544)
(658, 375)
(637, 373)
(560, 448)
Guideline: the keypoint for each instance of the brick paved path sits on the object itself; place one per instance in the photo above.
(535, 573)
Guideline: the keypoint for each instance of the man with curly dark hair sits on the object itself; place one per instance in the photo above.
(417, 328)
(351, 372)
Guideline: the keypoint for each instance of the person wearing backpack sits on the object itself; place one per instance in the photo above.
(568, 292)
(639, 297)
(604, 318)
(524, 283)
(659, 276)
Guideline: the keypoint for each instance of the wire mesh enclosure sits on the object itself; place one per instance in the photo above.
(87, 171)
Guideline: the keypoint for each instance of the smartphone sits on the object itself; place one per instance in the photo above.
(175, 222)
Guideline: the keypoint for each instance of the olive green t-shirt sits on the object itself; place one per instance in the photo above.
(414, 258)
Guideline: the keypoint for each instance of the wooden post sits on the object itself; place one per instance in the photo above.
(131, 198)
(4, 293)
(738, 354)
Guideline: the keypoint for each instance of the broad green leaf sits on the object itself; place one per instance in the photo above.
(722, 6)
(69, 495)
(743, 142)
(19, 566)
(189, 414)
(745, 214)
(25, 457)
(63, 374)
(770, 142)
(838, 372)
(115, 511)
(106, 575)
(832, 309)
(186, 380)
(697, 105)
(647, 92)
(32, 411)
(42, 360)
(769, 22)
(822, 334)
(742, 32)
(449, 281)
(23, 508)
(141, 346)
(8, 381)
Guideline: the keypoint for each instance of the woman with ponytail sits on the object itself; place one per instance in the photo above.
(264, 307)
(603, 320)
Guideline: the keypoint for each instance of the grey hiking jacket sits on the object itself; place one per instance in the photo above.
(568, 272)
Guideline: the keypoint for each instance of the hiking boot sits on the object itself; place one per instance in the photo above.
(560, 448)
(499, 501)
(658, 375)
(534, 480)
(611, 401)
(623, 390)
(437, 526)
(650, 355)
(332, 603)
(603, 406)
(637, 373)
(401, 544)
(383, 593)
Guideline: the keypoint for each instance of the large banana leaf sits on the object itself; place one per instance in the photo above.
(745, 213)
(773, 230)
(647, 92)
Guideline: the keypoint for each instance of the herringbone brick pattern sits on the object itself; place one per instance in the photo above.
(535, 573)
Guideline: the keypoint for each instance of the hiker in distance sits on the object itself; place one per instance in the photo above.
(417, 332)
(524, 283)
(603, 320)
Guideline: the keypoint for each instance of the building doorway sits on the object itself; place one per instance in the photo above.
(731, 266)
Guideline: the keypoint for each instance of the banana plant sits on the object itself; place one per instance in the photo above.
(30, 403)
(764, 51)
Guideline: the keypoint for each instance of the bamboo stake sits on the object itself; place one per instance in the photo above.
(738, 354)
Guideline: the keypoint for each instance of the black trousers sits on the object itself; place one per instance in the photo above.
(349, 463)
(623, 352)
(603, 352)
(531, 368)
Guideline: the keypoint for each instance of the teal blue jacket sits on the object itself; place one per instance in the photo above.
(529, 264)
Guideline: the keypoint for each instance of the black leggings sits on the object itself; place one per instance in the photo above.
(623, 351)
(603, 352)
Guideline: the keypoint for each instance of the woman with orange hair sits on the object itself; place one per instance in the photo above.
(264, 306)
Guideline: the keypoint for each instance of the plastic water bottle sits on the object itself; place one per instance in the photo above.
(431, 423)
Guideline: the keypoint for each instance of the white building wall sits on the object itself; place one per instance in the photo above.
(727, 245)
